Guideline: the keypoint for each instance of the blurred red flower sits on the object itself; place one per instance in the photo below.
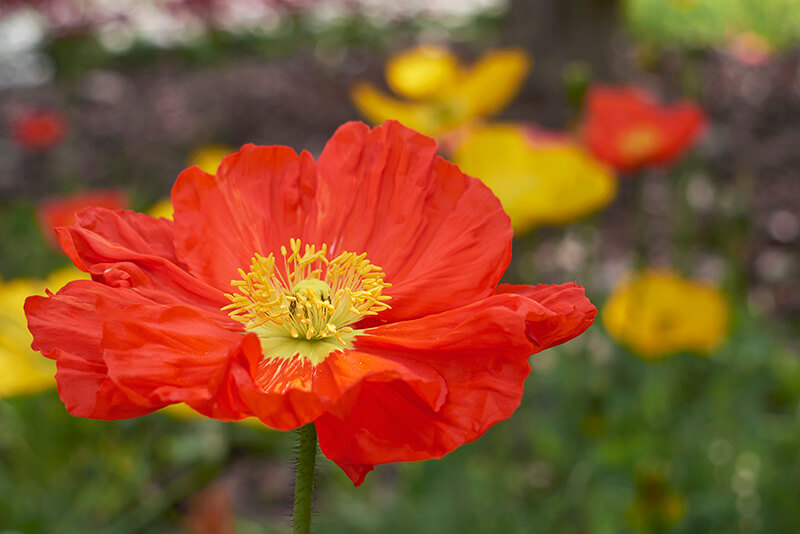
(39, 130)
(385, 327)
(61, 211)
(628, 129)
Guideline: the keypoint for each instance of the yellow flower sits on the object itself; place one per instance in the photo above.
(659, 313)
(442, 94)
(208, 157)
(23, 371)
(162, 208)
(539, 179)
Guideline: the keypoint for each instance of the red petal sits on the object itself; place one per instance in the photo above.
(131, 230)
(127, 249)
(66, 327)
(356, 472)
(612, 112)
(162, 355)
(293, 393)
(573, 313)
(441, 237)
(481, 351)
(375, 189)
(684, 123)
(259, 199)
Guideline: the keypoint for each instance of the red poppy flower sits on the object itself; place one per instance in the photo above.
(364, 299)
(39, 130)
(628, 129)
(62, 211)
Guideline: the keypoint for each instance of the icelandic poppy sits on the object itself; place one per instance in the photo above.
(659, 313)
(439, 93)
(540, 178)
(358, 292)
(23, 371)
(61, 211)
(39, 130)
(628, 129)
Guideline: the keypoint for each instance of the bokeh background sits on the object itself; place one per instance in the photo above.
(678, 416)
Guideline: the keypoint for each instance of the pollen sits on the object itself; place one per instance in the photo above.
(304, 303)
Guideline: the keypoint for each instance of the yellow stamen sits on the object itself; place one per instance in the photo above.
(306, 298)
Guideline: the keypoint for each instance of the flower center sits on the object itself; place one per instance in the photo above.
(639, 143)
(304, 305)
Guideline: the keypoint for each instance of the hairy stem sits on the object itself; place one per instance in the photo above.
(304, 483)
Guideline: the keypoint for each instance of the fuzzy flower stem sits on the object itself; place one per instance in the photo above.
(304, 482)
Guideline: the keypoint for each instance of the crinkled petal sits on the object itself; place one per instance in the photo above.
(160, 355)
(440, 236)
(480, 350)
(295, 392)
(373, 190)
(126, 249)
(135, 231)
(572, 312)
(66, 328)
(259, 199)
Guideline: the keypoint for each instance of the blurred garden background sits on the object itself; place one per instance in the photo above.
(648, 149)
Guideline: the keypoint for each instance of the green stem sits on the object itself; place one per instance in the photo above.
(684, 225)
(304, 483)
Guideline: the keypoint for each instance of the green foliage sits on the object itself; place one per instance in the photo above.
(23, 251)
(603, 443)
(711, 22)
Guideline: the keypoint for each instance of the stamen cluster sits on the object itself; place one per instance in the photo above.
(307, 296)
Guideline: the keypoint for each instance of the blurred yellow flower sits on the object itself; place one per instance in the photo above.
(162, 208)
(540, 179)
(442, 94)
(23, 371)
(659, 313)
(208, 157)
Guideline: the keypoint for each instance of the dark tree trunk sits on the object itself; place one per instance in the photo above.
(559, 33)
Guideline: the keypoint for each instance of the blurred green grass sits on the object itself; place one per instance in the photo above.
(720, 432)
(699, 23)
